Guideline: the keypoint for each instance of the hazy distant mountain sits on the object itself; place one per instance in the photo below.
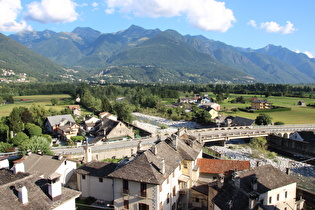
(18, 58)
(140, 55)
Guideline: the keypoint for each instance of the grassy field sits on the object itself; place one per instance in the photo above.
(298, 114)
(44, 100)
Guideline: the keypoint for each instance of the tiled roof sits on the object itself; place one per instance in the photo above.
(268, 178)
(241, 121)
(37, 192)
(55, 120)
(97, 168)
(215, 166)
(45, 164)
(260, 101)
(147, 167)
(308, 136)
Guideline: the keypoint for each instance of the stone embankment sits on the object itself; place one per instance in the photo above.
(153, 124)
(305, 173)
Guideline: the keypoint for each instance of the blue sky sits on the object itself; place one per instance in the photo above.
(241, 23)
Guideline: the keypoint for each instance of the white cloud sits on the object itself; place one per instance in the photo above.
(252, 23)
(309, 54)
(9, 11)
(274, 27)
(208, 15)
(57, 11)
(94, 4)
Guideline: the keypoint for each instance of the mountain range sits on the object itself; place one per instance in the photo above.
(141, 55)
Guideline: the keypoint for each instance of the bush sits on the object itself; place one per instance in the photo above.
(279, 123)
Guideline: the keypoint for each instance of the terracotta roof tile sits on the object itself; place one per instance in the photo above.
(214, 166)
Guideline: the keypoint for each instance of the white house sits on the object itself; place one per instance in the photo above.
(21, 191)
(47, 165)
(158, 178)
(263, 186)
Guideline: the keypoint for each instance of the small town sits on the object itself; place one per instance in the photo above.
(157, 105)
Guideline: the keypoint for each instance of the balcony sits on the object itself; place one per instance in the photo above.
(125, 191)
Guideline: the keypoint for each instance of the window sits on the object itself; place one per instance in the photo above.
(185, 164)
(174, 191)
(161, 206)
(161, 187)
(173, 174)
(270, 200)
(83, 176)
(126, 204)
(143, 189)
(125, 186)
(286, 194)
(197, 200)
(168, 198)
(168, 181)
(143, 206)
(100, 179)
(278, 197)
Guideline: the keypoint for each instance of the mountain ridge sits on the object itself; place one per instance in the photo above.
(123, 55)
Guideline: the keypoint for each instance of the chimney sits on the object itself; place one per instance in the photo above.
(18, 167)
(154, 149)
(139, 147)
(220, 180)
(175, 141)
(54, 186)
(60, 157)
(288, 171)
(236, 179)
(4, 163)
(254, 183)
(163, 166)
(22, 193)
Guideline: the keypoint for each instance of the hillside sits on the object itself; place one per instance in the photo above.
(22, 61)
(140, 55)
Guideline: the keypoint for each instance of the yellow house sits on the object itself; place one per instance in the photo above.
(260, 104)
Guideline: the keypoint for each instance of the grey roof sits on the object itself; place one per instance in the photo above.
(241, 121)
(260, 101)
(55, 120)
(37, 192)
(268, 177)
(308, 136)
(97, 168)
(45, 164)
(147, 166)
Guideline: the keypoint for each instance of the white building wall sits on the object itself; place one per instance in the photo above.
(66, 169)
(91, 186)
(282, 202)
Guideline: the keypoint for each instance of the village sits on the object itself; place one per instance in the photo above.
(177, 171)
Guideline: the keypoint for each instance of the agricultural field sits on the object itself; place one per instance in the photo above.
(297, 115)
(44, 100)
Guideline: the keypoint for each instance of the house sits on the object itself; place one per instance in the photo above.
(157, 178)
(301, 103)
(90, 123)
(53, 122)
(4, 162)
(47, 165)
(235, 121)
(68, 130)
(93, 180)
(263, 187)
(75, 109)
(211, 169)
(260, 104)
(210, 105)
(307, 136)
(30, 191)
(109, 130)
(188, 100)
(107, 115)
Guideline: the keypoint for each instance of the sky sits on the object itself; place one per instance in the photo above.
(240, 23)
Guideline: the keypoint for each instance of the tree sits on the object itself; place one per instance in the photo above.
(123, 111)
(263, 119)
(53, 101)
(5, 147)
(19, 139)
(106, 105)
(33, 130)
(36, 143)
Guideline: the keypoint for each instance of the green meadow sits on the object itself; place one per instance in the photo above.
(297, 115)
(64, 100)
